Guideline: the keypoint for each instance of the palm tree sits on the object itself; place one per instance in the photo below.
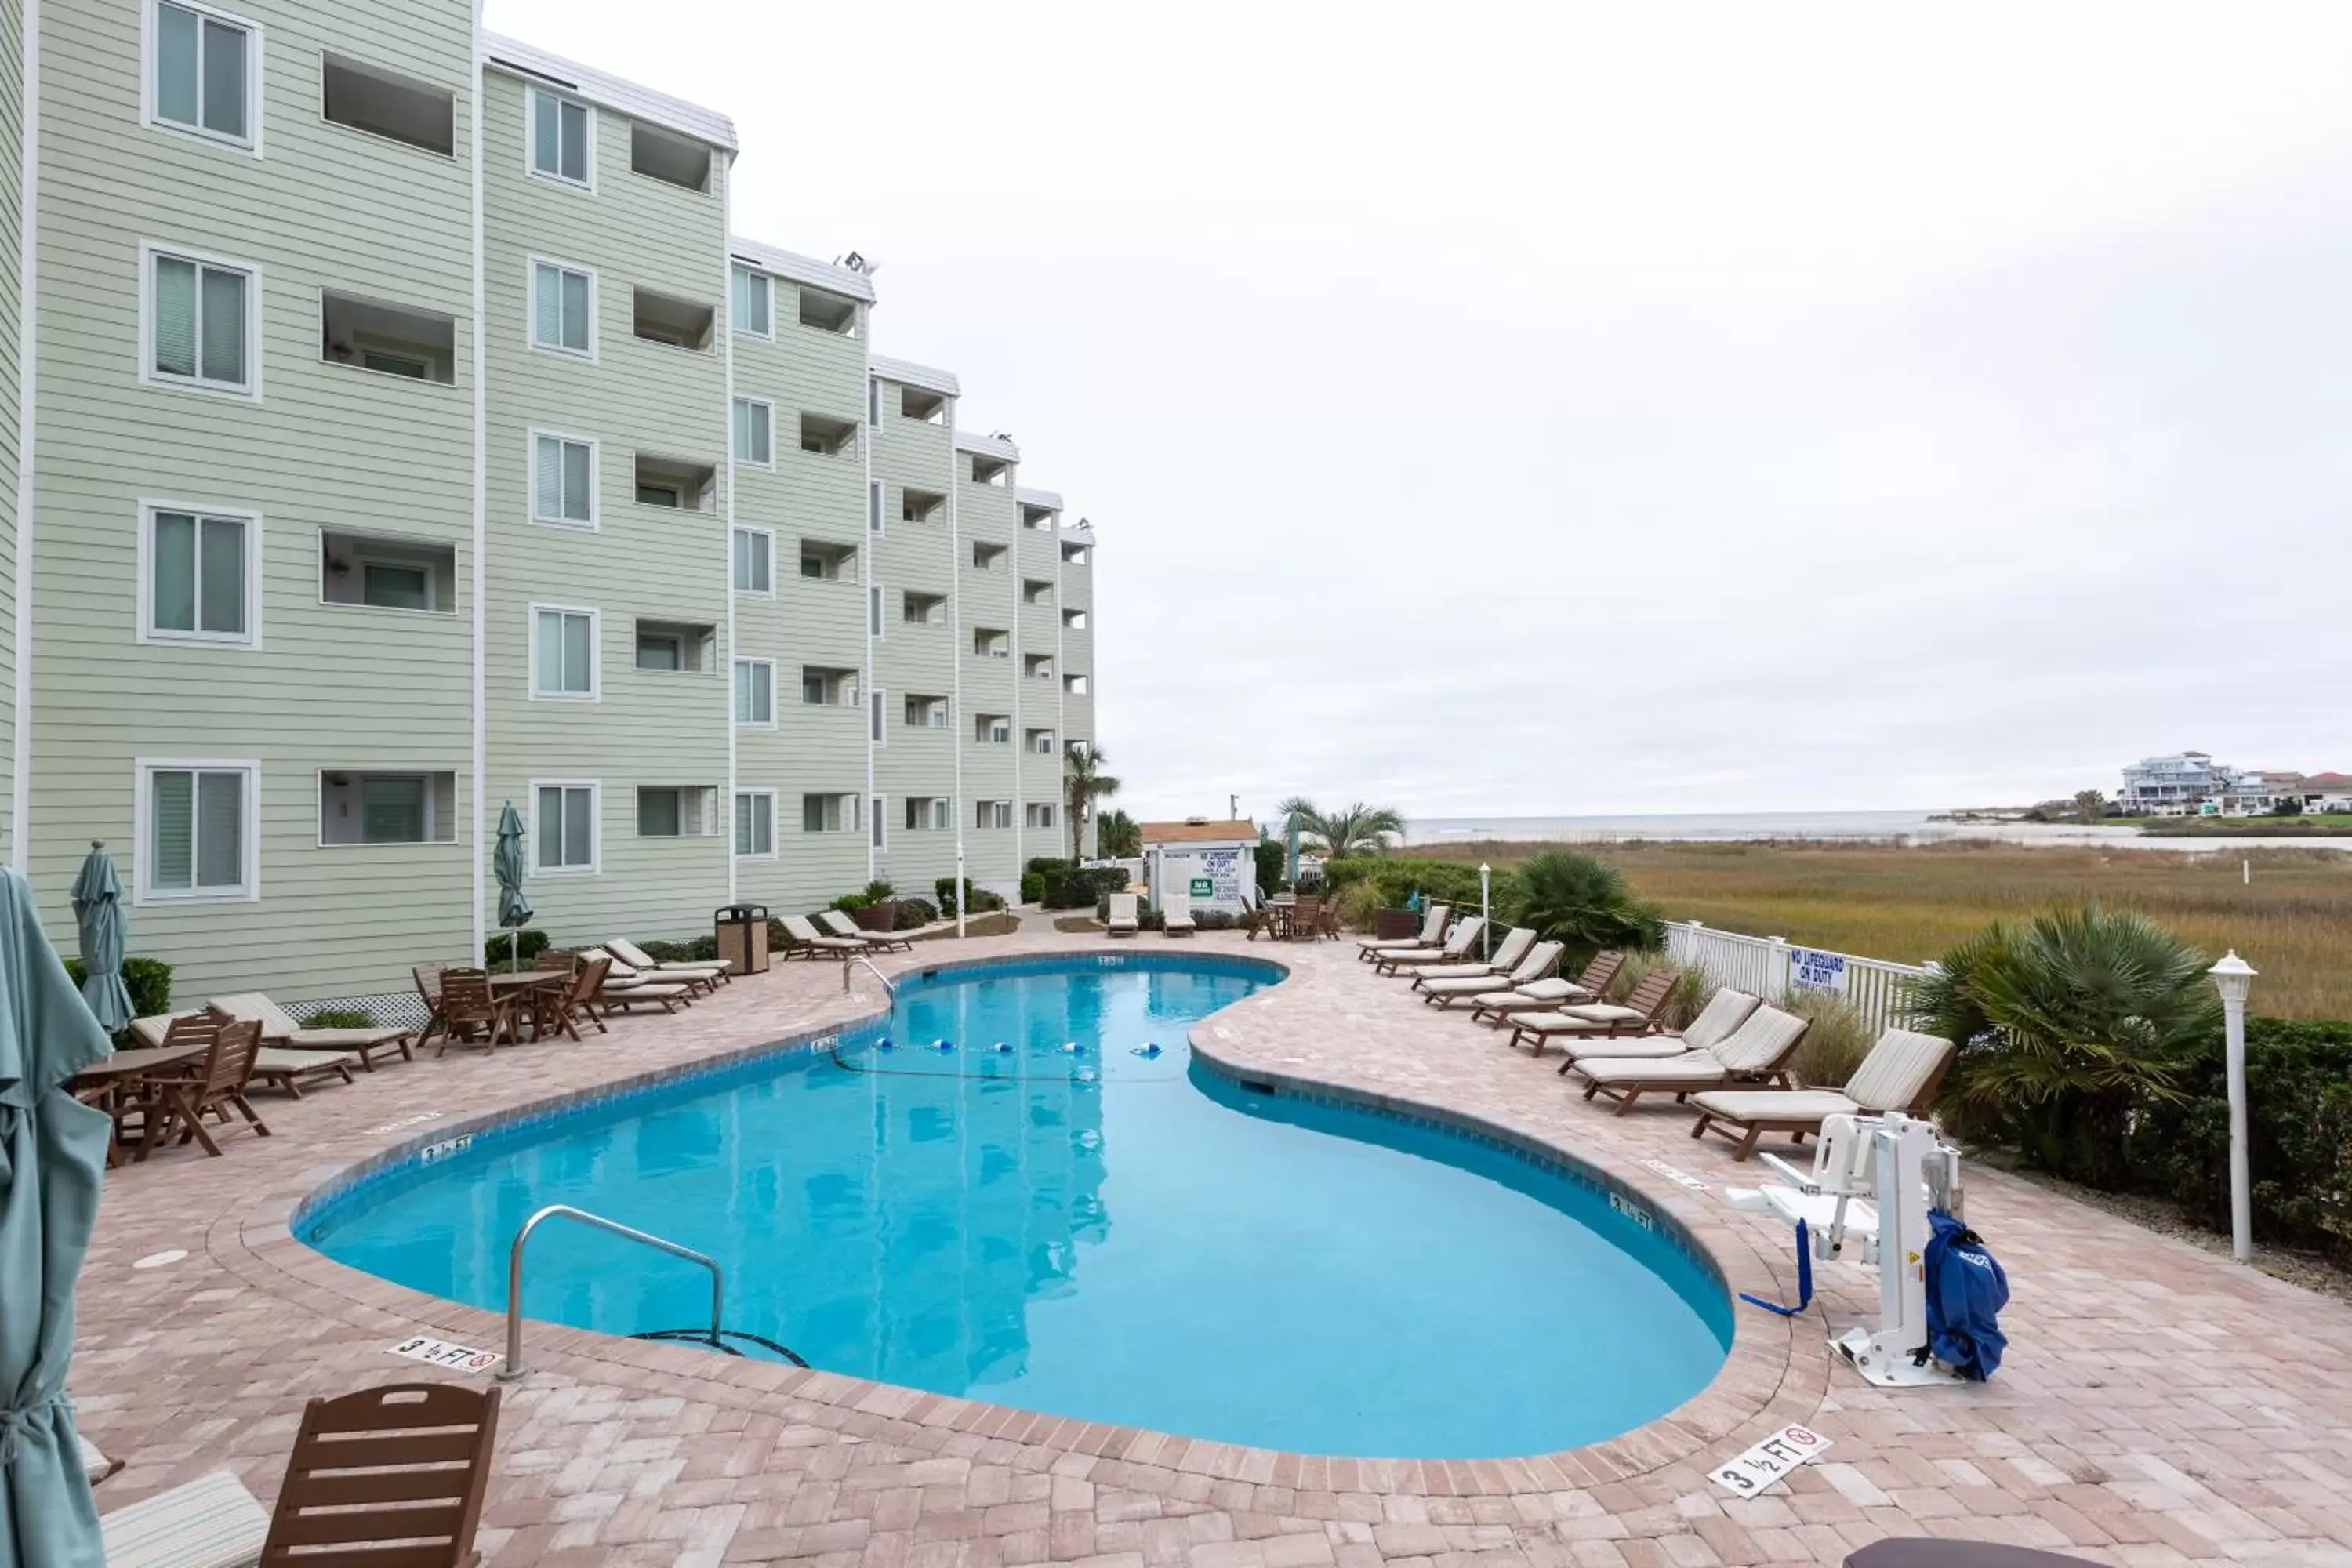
(1117, 836)
(1087, 783)
(1582, 901)
(1359, 830)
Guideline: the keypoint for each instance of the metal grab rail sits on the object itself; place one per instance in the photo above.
(852, 962)
(514, 1367)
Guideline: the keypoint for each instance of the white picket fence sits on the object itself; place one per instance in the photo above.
(1771, 966)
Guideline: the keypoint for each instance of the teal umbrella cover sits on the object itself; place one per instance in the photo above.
(52, 1158)
(98, 913)
(507, 861)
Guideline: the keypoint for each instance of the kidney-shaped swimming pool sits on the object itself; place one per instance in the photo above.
(1007, 1193)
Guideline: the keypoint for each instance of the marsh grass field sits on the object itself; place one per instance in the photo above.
(2293, 922)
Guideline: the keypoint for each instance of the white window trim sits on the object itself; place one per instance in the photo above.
(595, 788)
(530, 266)
(390, 770)
(744, 462)
(148, 375)
(255, 62)
(532, 93)
(770, 534)
(147, 632)
(142, 891)
(770, 721)
(595, 692)
(595, 482)
(733, 267)
(769, 852)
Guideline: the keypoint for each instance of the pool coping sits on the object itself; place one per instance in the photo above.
(1764, 1382)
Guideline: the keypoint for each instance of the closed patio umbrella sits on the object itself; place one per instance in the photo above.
(52, 1158)
(1291, 862)
(514, 910)
(98, 911)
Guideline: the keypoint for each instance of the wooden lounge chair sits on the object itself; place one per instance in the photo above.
(1634, 1015)
(211, 1084)
(1539, 962)
(613, 995)
(1901, 1072)
(638, 959)
(279, 1030)
(1432, 932)
(386, 1477)
(1176, 914)
(275, 1068)
(801, 940)
(1505, 958)
(1755, 1052)
(841, 925)
(1459, 941)
(621, 976)
(1724, 1012)
(1122, 920)
(1493, 1007)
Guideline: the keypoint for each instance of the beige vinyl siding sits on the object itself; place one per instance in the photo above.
(920, 557)
(986, 513)
(326, 446)
(12, 228)
(647, 728)
(818, 497)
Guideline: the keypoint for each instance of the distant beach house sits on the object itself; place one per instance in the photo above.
(2191, 784)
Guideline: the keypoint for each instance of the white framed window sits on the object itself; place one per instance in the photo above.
(1040, 815)
(755, 561)
(877, 717)
(199, 574)
(563, 480)
(677, 811)
(878, 822)
(829, 814)
(204, 73)
(993, 814)
(198, 830)
(562, 308)
(565, 837)
(755, 432)
(928, 813)
(754, 311)
(875, 620)
(367, 807)
(755, 821)
(1042, 742)
(200, 321)
(755, 692)
(564, 654)
(559, 138)
(874, 495)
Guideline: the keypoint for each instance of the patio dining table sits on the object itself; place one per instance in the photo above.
(108, 1081)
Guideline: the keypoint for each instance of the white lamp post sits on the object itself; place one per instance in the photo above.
(2233, 977)
(1485, 910)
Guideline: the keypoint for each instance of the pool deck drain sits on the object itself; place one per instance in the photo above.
(2158, 1406)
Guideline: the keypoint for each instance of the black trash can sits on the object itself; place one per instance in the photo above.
(742, 932)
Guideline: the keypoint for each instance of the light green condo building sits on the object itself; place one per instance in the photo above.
(394, 427)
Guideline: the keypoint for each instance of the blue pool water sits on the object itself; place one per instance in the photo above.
(1098, 1233)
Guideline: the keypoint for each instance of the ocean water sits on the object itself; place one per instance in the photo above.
(1101, 1232)
(1856, 827)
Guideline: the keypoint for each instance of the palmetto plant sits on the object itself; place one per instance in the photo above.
(1584, 901)
(1084, 783)
(1117, 836)
(1359, 830)
(2065, 1026)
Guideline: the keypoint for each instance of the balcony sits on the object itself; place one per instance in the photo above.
(390, 340)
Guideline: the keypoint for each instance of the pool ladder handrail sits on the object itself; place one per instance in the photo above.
(513, 1367)
(851, 961)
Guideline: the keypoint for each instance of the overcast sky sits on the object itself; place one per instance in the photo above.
(1560, 408)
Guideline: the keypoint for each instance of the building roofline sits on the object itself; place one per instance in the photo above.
(609, 91)
(1049, 499)
(791, 264)
(907, 373)
(987, 445)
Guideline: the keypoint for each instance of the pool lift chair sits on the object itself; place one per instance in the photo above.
(1874, 1182)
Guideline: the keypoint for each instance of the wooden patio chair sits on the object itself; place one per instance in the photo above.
(558, 1010)
(1330, 925)
(211, 1084)
(468, 1006)
(1306, 918)
(1637, 1014)
(427, 977)
(407, 1464)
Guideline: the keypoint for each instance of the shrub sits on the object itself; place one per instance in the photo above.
(1046, 865)
(1272, 861)
(1032, 887)
(1358, 904)
(149, 980)
(1080, 888)
(1683, 999)
(977, 899)
(340, 1018)
(2069, 1027)
(1584, 901)
(699, 950)
(1398, 877)
(1837, 1039)
(504, 948)
(915, 913)
(1216, 919)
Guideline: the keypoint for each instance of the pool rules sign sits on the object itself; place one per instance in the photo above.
(1767, 1462)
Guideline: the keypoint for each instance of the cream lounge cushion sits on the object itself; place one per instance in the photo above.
(1456, 944)
(278, 1059)
(278, 1026)
(1122, 912)
(1699, 1068)
(1433, 931)
(1563, 1023)
(637, 957)
(1724, 1012)
(1177, 912)
(1538, 961)
(1763, 1041)
(805, 935)
(211, 1522)
(1536, 994)
(1897, 1072)
(1773, 1104)
(1508, 954)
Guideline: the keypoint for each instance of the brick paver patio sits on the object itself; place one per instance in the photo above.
(2158, 1404)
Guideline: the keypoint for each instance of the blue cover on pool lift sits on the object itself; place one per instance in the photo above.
(1966, 1291)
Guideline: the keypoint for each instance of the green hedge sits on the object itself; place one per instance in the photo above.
(499, 948)
(1399, 877)
(1078, 890)
(2299, 1135)
(149, 980)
